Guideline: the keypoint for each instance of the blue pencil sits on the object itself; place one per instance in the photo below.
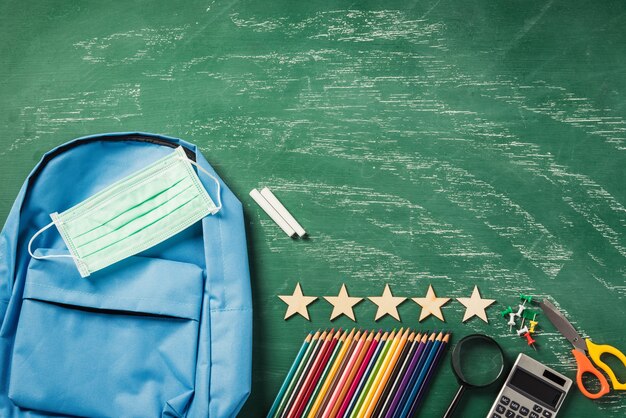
(429, 374)
(415, 375)
(304, 364)
(420, 378)
(292, 371)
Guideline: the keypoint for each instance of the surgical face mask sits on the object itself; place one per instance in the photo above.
(133, 214)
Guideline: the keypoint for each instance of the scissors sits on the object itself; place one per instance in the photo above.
(583, 347)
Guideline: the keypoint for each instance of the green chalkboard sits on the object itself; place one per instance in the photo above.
(426, 142)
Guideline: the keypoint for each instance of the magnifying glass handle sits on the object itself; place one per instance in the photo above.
(455, 402)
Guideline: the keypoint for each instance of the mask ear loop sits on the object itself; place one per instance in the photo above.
(41, 257)
(219, 188)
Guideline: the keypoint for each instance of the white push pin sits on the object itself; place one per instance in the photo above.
(521, 309)
(511, 320)
(522, 331)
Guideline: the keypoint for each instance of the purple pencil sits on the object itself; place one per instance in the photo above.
(429, 375)
(407, 377)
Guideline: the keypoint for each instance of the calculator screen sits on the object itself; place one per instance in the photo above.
(535, 387)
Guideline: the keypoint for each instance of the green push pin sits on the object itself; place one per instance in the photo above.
(525, 298)
(529, 314)
(507, 311)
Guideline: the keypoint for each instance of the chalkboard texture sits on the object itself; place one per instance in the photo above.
(418, 142)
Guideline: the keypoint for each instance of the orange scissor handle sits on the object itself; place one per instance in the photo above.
(585, 366)
(596, 350)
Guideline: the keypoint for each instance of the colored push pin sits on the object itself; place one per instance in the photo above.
(530, 340)
(524, 332)
(526, 298)
(511, 320)
(520, 311)
(507, 311)
(533, 324)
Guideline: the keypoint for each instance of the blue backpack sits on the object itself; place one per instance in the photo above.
(165, 333)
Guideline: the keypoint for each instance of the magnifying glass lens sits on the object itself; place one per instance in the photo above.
(478, 362)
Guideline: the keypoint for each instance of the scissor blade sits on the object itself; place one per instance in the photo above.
(563, 325)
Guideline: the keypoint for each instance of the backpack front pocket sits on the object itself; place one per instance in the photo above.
(121, 343)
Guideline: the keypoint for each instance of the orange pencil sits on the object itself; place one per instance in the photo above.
(333, 386)
(331, 374)
(384, 374)
(346, 380)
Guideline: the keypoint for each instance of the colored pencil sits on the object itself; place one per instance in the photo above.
(303, 376)
(292, 371)
(297, 374)
(311, 380)
(431, 371)
(349, 373)
(333, 386)
(415, 388)
(368, 371)
(385, 373)
(327, 368)
(407, 376)
(415, 373)
(331, 374)
(403, 362)
(359, 375)
(373, 374)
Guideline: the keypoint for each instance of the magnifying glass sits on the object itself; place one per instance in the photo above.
(477, 362)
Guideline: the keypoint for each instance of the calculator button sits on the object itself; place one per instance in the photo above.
(510, 414)
(537, 408)
(547, 414)
(519, 416)
(514, 406)
(500, 409)
(496, 416)
(504, 400)
(534, 415)
(524, 411)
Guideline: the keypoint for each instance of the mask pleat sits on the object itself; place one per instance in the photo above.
(135, 213)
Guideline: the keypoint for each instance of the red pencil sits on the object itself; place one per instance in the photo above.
(359, 375)
(351, 342)
(346, 380)
(314, 375)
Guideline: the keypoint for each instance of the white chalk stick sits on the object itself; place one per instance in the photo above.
(269, 209)
(282, 211)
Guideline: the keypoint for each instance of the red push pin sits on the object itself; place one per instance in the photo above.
(524, 332)
(529, 338)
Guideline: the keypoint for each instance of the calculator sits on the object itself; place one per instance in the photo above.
(531, 390)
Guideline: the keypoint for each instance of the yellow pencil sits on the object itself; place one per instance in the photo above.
(348, 373)
(383, 375)
(333, 385)
(331, 374)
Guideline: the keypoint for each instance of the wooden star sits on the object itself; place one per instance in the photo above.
(342, 304)
(387, 304)
(297, 303)
(431, 304)
(475, 305)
